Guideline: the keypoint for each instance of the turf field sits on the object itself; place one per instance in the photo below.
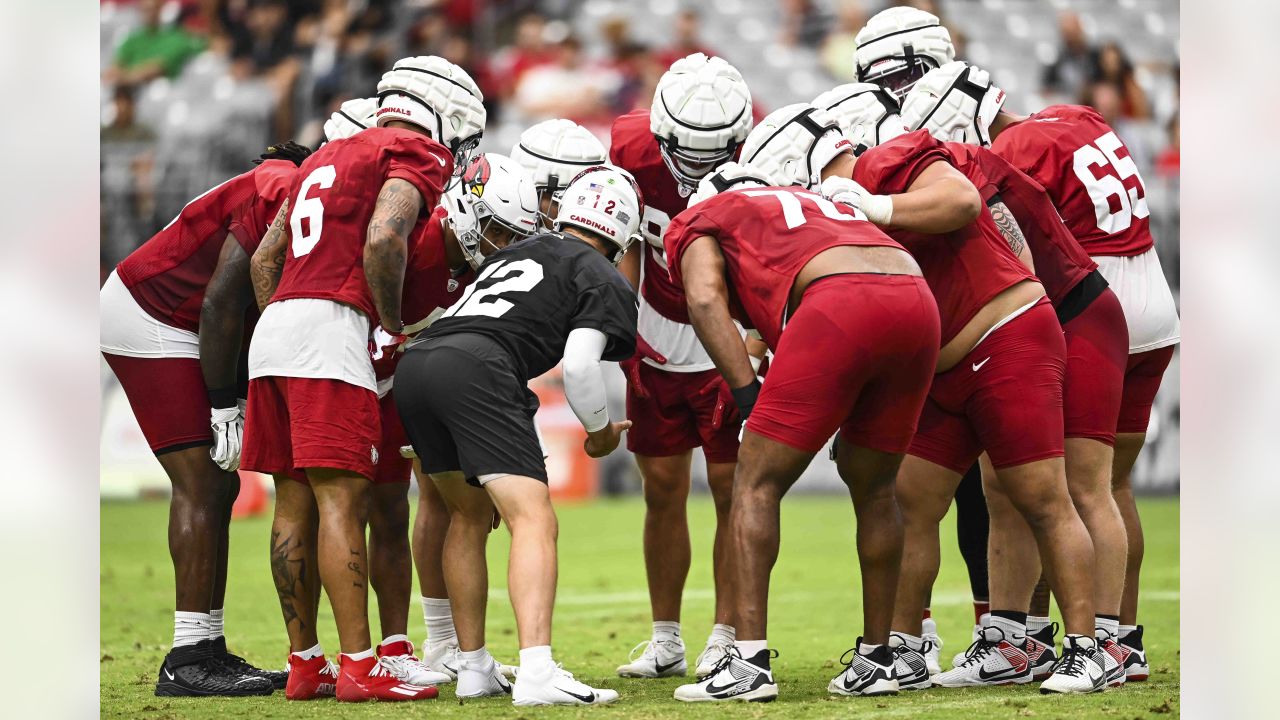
(602, 612)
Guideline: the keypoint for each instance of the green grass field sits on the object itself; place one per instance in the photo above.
(602, 612)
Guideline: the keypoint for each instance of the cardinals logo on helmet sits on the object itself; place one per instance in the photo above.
(476, 176)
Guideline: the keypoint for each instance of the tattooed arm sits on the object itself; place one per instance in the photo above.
(222, 318)
(268, 260)
(386, 247)
(1008, 226)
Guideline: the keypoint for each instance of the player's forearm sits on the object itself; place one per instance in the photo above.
(1012, 232)
(941, 207)
(584, 387)
(719, 335)
(384, 261)
(226, 298)
(267, 263)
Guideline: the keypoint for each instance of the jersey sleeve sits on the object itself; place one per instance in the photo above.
(423, 163)
(891, 168)
(685, 228)
(606, 304)
(251, 220)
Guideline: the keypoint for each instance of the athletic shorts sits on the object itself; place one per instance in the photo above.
(1141, 382)
(464, 408)
(168, 398)
(294, 424)
(392, 466)
(678, 415)
(1097, 351)
(1004, 397)
(858, 357)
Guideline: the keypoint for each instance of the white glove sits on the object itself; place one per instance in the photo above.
(228, 432)
(877, 208)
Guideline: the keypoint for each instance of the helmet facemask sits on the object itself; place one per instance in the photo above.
(486, 234)
(688, 167)
(899, 74)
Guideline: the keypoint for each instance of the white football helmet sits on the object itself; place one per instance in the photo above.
(554, 152)
(898, 46)
(730, 176)
(494, 205)
(701, 113)
(439, 97)
(606, 201)
(867, 114)
(793, 144)
(352, 117)
(955, 103)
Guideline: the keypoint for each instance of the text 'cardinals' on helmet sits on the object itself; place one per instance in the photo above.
(603, 200)
(554, 152)
(701, 113)
(955, 103)
(352, 117)
(437, 96)
(731, 176)
(898, 46)
(794, 143)
(867, 114)
(494, 205)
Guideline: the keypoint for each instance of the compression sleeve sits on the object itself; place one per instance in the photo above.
(583, 379)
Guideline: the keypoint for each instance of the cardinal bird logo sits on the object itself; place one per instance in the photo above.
(477, 175)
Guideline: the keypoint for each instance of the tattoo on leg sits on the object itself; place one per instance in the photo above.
(354, 566)
(290, 576)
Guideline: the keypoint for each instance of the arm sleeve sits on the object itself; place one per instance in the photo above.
(607, 304)
(583, 380)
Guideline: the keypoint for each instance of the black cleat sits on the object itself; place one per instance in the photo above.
(192, 671)
(239, 666)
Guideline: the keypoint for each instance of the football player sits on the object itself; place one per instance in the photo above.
(463, 397)
(313, 402)
(998, 387)
(173, 321)
(700, 115)
(898, 46)
(1091, 178)
(856, 356)
(555, 151)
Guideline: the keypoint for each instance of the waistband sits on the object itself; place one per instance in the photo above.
(1079, 297)
(1010, 318)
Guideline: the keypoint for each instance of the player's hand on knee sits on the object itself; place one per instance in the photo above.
(605, 440)
(228, 432)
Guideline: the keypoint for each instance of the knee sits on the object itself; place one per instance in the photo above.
(389, 518)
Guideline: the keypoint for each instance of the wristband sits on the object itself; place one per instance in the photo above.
(745, 398)
(224, 397)
(878, 208)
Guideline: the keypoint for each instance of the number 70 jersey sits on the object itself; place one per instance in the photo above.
(332, 200)
(531, 294)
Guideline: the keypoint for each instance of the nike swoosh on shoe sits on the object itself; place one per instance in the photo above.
(584, 698)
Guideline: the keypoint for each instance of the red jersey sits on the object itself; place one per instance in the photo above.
(634, 149)
(333, 199)
(767, 236)
(169, 273)
(965, 268)
(1060, 261)
(1088, 173)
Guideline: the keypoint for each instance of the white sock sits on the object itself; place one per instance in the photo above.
(666, 630)
(867, 648)
(393, 638)
(215, 624)
(985, 620)
(722, 634)
(1035, 624)
(910, 641)
(750, 648)
(1126, 629)
(362, 655)
(189, 628)
(1014, 631)
(1108, 626)
(439, 618)
(476, 659)
(310, 653)
(536, 660)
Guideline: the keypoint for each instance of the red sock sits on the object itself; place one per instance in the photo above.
(980, 608)
(927, 614)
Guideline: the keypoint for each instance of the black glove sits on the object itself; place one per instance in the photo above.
(745, 398)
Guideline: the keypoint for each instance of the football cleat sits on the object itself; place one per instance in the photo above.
(871, 674)
(399, 659)
(930, 635)
(1135, 665)
(735, 678)
(191, 671)
(311, 679)
(960, 656)
(442, 658)
(711, 656)
(481, 679)
(372, 679)
(1114, 656)
(910, 666)
(990, 660)
(557, 687)
(1079, 670)
(659, 658)
(240, 666)
(1040, 650)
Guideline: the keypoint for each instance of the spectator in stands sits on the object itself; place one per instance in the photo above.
(127, 159)
(262, 46)
(152, 50)
(837, 51)
(568, 88)
(1067, 76)
(1113, 68)
(686, 34)
(458, 49)
(1169, 161)
(803, 24)
(530, 50)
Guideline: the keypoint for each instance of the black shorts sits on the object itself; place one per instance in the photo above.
(464, 408)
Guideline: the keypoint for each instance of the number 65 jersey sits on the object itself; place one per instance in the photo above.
(528, 297)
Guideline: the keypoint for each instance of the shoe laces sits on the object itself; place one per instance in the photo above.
(330, 669)
(718, 644)
(1072, 661)
(650, 649)
(386, 667)
(729, 654)
(981, 647)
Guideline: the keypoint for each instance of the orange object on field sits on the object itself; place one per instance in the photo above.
(571, 473)
(252, 499)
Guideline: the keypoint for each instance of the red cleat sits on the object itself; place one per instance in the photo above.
(368, 679)
(310, 679)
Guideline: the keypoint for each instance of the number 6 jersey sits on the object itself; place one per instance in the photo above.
(528, 297)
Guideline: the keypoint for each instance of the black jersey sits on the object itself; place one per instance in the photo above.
(529, 295)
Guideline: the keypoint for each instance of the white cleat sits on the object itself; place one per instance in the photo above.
(930, 636)
(960, 656)
(711, 656)
(1040, 649)
(1079, 670)
(990, 660)
(401, 663)
(909, 665)
(481, 679)
(557, 687)
(658, 658)
(734, 678)
(443, 658)
(1114, 656)
(869, 675)
(1136, 668)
